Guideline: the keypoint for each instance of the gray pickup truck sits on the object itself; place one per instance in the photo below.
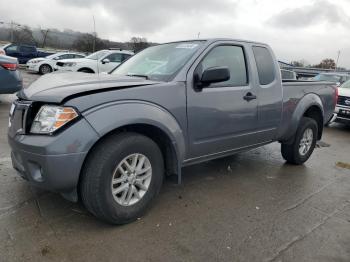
(109, 139)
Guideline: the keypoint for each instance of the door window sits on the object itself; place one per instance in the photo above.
(231, 57)
(27, 49)
(65, 56)
(115, 58)
(125, 56)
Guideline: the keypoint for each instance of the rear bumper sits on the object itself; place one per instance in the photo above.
(53, 162)
(10, 82)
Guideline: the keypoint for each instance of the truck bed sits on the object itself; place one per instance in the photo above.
(296, 92)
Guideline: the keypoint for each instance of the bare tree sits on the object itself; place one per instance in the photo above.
(24, 35)
(138, 43)
(89, 42)
(327, 63)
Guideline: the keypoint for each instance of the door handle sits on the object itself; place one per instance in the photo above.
(249, 96)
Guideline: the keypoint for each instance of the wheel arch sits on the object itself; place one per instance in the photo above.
(315, 113)
(87, 69)
(143, 118)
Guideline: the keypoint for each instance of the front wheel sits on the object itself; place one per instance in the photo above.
(304, 142)
(121, 177)
(45, 69)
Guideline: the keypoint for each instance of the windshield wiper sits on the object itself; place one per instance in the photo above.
(136, 75)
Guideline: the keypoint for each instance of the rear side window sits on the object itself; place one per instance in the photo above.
(264, 64)
(11, 48)
(231, 57)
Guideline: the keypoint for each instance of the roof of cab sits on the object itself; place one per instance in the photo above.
(212, 40)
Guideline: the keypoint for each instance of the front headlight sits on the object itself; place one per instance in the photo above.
(69, 64)
(50, 118)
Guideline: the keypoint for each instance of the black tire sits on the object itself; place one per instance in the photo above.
(45, 69)
(95, 185)
(290, 152)
(86, 70)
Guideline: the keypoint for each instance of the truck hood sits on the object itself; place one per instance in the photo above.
(56, 87)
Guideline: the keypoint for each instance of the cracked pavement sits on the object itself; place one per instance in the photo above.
(248, 207)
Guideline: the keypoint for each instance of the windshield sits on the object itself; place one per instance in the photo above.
(97, 55)
(346, 85)
(331, 78)
(159, 62)
(52, 56)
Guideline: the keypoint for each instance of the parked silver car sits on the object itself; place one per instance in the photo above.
(338, 78)
(10, 78)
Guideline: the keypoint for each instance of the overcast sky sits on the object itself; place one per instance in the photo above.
(296, 29)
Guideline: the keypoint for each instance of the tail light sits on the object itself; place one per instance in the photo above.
(9, 66)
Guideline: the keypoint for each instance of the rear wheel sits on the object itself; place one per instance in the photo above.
(45, 69)
(121, 177)
(304, 142)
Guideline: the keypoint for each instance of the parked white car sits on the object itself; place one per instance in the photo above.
(44, 65)
(98, 62)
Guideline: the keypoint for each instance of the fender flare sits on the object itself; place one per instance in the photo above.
(111, 116)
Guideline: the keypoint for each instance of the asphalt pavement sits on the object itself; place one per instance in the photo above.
(248, 207)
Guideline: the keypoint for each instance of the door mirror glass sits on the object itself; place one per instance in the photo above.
(105, 61)
(215, 75)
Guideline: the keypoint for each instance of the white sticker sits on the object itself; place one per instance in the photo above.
(187, 46)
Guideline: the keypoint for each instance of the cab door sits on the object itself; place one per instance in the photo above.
(221, 116)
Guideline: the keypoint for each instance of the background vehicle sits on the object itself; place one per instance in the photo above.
(10, 78)
(332, 77)
(169, 106)
(47, 64)
(23, 52)
(98, 62)
(342, 110)
(288, 75)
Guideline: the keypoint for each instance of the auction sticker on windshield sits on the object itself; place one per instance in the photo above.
(187, 46)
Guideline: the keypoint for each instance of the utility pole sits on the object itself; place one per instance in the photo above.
(94, 41)
(11, 26)
(336, 64)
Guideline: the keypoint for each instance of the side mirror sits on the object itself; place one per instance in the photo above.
(215, 75)
(105, 61)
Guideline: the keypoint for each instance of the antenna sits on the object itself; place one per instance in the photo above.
(94, 46)
(336, 64)
(199, 33)
(94, 42)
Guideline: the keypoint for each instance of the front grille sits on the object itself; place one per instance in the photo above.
(23, 116)
(344, 101)
(18, 119)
